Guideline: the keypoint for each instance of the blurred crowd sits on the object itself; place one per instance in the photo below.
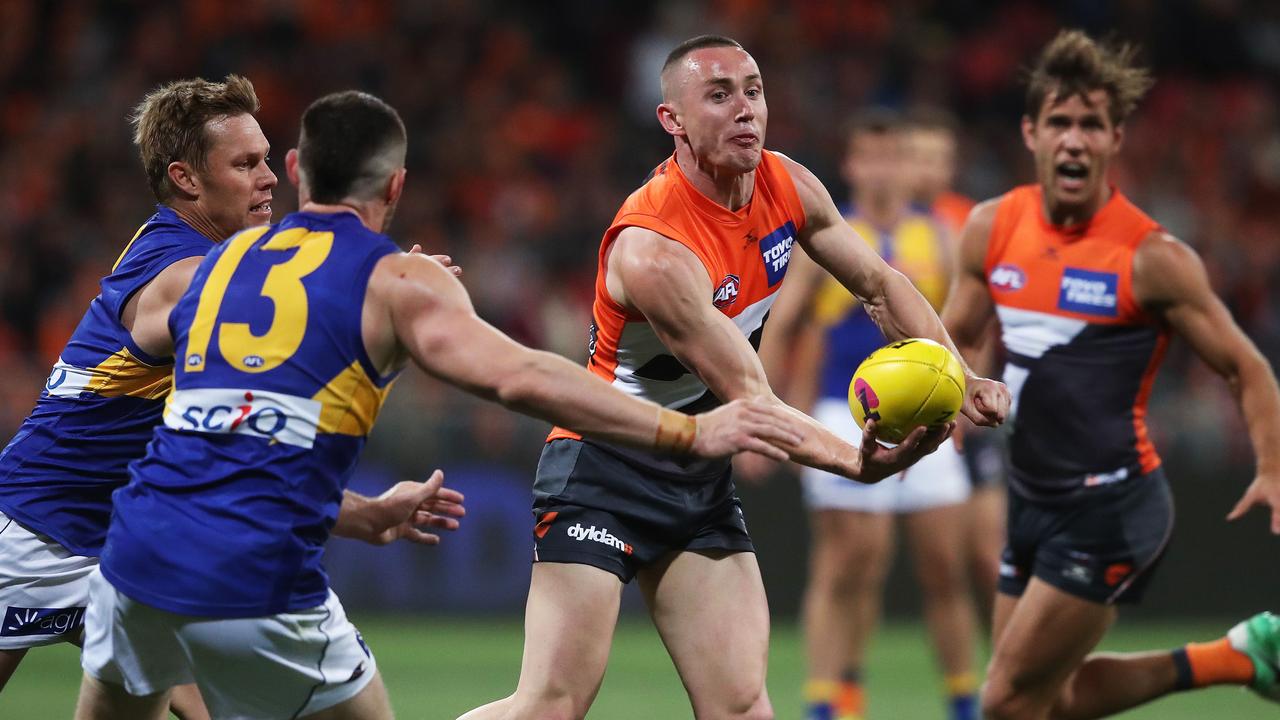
(529, 123)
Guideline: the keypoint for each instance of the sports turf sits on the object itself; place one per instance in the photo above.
(440, 667)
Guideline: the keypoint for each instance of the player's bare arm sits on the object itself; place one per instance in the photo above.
(429, 318)
(1170, 281)
(889, 297)
(666, 282)
(969, 309)
(401, 513)
(146, 315)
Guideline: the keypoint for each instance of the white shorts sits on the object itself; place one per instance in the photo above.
(279, 666)
(44, 588)
(938, 479)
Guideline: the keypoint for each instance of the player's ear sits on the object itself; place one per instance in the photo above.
(669, 120)
(184, 179)
(291, 167)
(1118, 136)
(395, 186)
(1029, 132)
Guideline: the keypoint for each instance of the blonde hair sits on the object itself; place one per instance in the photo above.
(169, 124)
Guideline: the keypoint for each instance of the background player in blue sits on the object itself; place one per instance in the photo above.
(215, 547)
(828, 333)
(206, 162)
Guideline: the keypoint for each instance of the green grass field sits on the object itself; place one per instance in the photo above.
(440, 667)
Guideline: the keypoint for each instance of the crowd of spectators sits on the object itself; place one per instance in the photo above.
(530, 122)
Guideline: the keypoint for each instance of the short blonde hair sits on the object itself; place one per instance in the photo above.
(170, 124)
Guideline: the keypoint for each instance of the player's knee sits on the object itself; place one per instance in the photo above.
(737, 700)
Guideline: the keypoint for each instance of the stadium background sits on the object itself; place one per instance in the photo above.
(529, 123)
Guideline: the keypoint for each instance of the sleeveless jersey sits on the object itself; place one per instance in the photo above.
(228, 512)
(1081, 353)
(917, 247)
(745, 253)
(99, 405)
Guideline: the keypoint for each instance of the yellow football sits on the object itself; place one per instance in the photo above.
(906, 384)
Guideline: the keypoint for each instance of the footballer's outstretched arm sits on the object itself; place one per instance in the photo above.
(666, 282)
(430, 317)
(1170, 281)
(889, 297)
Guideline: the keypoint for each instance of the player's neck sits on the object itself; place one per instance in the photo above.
(371, 216)
(881, 213)
(1068, 215)
(727, 188)
(195, 216)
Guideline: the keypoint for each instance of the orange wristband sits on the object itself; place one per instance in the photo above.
(676, 432)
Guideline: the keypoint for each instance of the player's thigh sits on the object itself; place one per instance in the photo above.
(108, 701)
(44, 590)
(1001, 611)
(711, 611)
(371, 703)
(1044, 639)
(290, 664)
(569, 621)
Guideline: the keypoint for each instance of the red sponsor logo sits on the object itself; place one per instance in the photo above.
(726, 292)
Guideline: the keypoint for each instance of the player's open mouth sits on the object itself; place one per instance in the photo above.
(1072, 175)
(262, 208)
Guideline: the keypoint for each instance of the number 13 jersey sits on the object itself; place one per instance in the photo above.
(274, 394)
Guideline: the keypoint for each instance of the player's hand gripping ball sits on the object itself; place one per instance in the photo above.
(904, 385)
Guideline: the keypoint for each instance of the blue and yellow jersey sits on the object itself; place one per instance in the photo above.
(99, 405)
(228, 513)
(917, 247)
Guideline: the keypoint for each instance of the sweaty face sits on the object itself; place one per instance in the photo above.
(235, 184)
(718, 100)
(1073, 141)
(876, 167)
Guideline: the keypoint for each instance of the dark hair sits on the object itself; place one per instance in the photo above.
(170, 124)
(874, 121)
(698, 43)
(350, 143)
(1074, 64)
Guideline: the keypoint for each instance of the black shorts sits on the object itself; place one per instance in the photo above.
(986, 457)
(1102, 545)
(595, 508)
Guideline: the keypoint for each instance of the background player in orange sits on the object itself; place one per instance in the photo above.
(933, 150)
(852, 525)
(1088, 290)
(688, 271)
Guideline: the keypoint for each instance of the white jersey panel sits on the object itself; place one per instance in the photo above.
(639, 345)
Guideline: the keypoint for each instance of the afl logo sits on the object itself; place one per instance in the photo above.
(1008, 277)
(194, 359)
(253, 361)
(726, 293)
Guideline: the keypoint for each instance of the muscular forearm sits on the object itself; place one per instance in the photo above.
(552, 388)
(1256, 390)
(902, 312)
